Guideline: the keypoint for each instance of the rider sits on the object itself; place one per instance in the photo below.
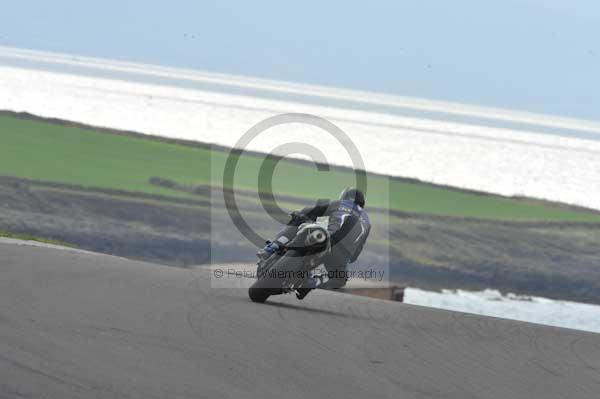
(349, 226)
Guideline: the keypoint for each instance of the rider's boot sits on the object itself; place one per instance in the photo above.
(307, 286)
(269, 249)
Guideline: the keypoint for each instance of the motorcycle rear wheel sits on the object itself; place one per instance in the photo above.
(259, 295)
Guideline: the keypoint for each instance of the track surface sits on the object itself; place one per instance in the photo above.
(77, 325)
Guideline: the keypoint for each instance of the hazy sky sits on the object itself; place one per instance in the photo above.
(536, 55)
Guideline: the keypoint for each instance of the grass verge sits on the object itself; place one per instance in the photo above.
(30, 237)
(58, 152)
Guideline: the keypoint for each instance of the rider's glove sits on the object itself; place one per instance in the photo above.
(297, 218)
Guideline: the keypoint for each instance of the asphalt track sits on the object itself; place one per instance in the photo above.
(79, 325)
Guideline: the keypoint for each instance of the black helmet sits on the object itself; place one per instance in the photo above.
(354, 194)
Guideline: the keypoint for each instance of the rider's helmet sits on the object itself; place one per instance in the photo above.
(353, 194)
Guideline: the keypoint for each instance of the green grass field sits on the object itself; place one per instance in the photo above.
(30, 237)
(52, 152)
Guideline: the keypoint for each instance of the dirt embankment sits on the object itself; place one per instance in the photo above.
(557, 260)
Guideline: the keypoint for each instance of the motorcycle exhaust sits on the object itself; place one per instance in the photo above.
(317, 236)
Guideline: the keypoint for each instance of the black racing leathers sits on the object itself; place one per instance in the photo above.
(349, 225)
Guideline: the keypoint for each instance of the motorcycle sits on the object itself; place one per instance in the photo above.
(287, 269)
